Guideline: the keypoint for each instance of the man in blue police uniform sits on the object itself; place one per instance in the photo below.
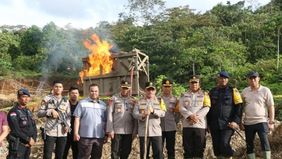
(23, 129)
(224, 115)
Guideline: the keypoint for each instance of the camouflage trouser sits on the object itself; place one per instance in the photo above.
(1, 151)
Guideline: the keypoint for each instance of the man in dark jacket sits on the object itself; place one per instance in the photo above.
(224, 115)
(23, 129)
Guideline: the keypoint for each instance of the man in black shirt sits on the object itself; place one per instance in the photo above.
(224, 115)
(73, 100)
(23, 129)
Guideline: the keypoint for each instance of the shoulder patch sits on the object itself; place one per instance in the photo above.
(237, 96)
(162, 105)
(13, 114)
(207, 100)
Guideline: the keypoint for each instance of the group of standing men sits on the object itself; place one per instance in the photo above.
(86, 125)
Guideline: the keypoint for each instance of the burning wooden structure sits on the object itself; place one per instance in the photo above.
(132, 66)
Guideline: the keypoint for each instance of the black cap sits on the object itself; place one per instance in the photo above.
(23, 91)
(150, 85)
(223, 74)
(253, 74)
(125, 84)
(167, 82)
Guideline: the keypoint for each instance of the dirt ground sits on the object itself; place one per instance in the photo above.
(238, 145)
(7, 97)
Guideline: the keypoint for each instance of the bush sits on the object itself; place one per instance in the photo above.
(5, 66)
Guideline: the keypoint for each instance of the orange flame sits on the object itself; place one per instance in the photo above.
(99, 59)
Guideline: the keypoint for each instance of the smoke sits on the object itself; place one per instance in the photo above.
(64, 50)
(103, 30)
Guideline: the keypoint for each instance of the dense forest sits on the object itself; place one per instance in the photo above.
(229, 37)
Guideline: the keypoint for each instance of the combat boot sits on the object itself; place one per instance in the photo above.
(251, 156)
(267, 154)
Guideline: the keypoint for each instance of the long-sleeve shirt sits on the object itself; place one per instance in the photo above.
(195, 103)
(22, 124)
(226, 107)
(154, 127)
(257, 103)
(169, 121)
(54, 127)
(120, 115)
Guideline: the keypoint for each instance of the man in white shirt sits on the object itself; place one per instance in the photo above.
(258, 114)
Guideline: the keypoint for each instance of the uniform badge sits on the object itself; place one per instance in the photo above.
(186, 103)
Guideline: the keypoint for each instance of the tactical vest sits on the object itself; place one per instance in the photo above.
(221, 106)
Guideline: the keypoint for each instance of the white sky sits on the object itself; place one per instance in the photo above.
(84, 13)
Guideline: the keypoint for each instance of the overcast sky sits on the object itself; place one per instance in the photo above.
(83, 13)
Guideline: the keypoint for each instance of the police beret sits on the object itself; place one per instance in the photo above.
(223, 74)
(167, 82)
(23, 91)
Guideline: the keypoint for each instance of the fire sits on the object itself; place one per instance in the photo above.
(99, 59)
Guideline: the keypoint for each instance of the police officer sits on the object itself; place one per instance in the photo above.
(148, 112)
(56, 109)
(121, 125)
(224, 115)
(168, 122)
(23, 129)
(194, 106)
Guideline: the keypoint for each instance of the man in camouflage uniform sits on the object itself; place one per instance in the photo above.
(194, 106)
(148, 111)
(168, 122)
(120, 122)
(224, 115)
(56, 109)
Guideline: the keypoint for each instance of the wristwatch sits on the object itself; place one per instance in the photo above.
(270, 122)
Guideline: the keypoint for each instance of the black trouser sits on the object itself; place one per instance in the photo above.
(194, 142)
(18, 152)
(169, 140)
(49, 143)
(90, 147)
(250, 132)
(73, 145)
(156, 143)
(121, 146)
(221, 141)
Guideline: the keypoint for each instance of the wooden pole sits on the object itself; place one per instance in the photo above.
(278, 48)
